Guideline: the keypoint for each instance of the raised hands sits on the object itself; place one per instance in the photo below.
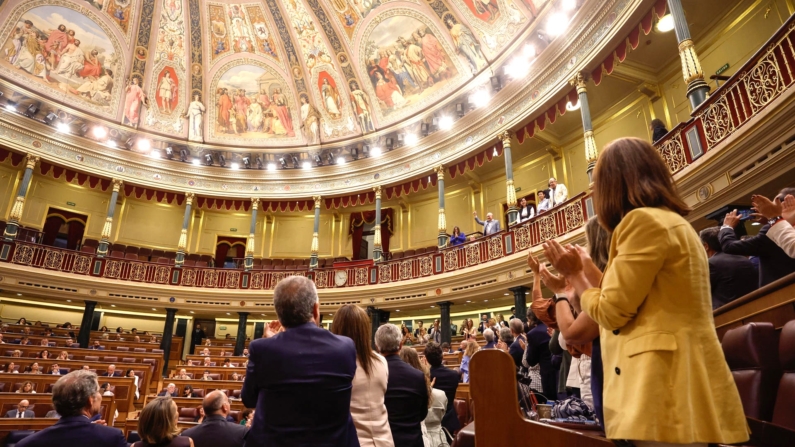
(555, 283)
(731, 219)
(788, 209)
(533, 263)
(272, 328)
(565, 259)
(766, 207)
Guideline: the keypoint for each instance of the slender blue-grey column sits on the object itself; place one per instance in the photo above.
(697, 88)
(248, 264)
(240, 341)
(183, 235)
(377, 251)
(165, 343)
(315, 244)
(591, 153)
(446, 323)
(12, 227)
(442, 218)
(513, 209)
(104, 241)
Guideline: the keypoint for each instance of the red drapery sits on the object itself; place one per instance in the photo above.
(222, 246)
(358, 220)
(52, 225)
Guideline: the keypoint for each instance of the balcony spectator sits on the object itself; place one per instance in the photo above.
(27, 387)
(544, 204)
(658, 130)
(526, 212)
(782, 231)
(182, 375)
(206, 376)
(457, 238)
(730, 276)
(490, 226)
(774, 263)
(557, 192)
(110, 372)
(131, 373)
(483, 325)
(435, 333)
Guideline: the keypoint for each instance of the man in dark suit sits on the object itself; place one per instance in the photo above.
(774, 263)
(300, 379)
(488, 334)
(215, 431)
(111, 371)
(196, 338)
(171, 390)
(484, 323)
(516, 349)
(730, 276)
(76, 398)
(444, 379)
(96, 346)
(21, 412)
(406, 396)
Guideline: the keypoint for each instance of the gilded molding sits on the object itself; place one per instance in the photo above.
(16, 210)
(183, 240)
(591, 152)
(315, 245)
(31, 161)
(691, 67)
(442, 221)
(317, 200)
(106, 228)
(254, 203)
(377, 235)
(377, 190)
(439, 170)
(250, 245)
(117, 184)
(511, 194)
(189, 198)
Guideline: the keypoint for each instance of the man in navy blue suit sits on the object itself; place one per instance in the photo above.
(406, 397)
(77, 399)
(299, 376)
(444, 379)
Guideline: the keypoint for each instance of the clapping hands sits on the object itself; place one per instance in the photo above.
(567, 260)
(788, 209)
(272, 328)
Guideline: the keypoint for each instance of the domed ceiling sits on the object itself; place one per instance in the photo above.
(267, 73)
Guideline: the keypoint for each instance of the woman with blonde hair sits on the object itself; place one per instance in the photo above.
(368, 410)
(63, 355)
(432, 434)
(157, 425)
(471, 349)
(27, 387)
(654, 309)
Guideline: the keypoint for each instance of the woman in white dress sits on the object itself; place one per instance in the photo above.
(369, 384)
(131, 373)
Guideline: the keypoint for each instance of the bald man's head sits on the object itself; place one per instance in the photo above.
(216, 403)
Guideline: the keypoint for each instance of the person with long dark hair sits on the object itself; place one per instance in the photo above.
(457, 238)
(526, 212)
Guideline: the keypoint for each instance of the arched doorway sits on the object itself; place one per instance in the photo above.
(227, 249)
(63, 229)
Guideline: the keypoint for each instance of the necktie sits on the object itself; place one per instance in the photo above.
(19, 415)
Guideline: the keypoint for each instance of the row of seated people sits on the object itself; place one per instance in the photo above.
(142, 373)
(31, 405)
(199, 360)
(210, 374)
(187, 390)
(98, 345)
(67, 331)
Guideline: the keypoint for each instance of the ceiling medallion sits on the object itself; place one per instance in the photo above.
(191, 183)
(242, 304)
(438, 291)
(79, 157)
(376, 176)
(36, 144)
(157, 177)
(119, 168)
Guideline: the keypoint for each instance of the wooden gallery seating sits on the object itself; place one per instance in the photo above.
(40, 404)
(202, 388)
(216, 372)
(215, 351)
(122, 387)
(198, 360)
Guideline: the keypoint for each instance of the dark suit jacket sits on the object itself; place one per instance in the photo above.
(406, 401)
(215, 431)
(447, 381)
(115, 374)
(165, 393)
(773, 261)
(730, 277)
(12, 414)
(300, 382)
(75, 430)
(516, 351)
(96, 348)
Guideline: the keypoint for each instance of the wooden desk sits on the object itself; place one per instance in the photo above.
(124, 387)
(198, 371)
(41, 404)
(217, 359)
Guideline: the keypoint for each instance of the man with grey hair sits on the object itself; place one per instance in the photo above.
(406, 396)
(490, 226)
(488, 334)
(171, 390)
(516, 349)
(76, 398)
(215, 430)
(299, 376)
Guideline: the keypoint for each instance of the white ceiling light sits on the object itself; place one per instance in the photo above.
(99, 132)
(340, 160)
(62, 127)
(375, 151)
(306, 165)
(572, 107)
(154, 154)
(480, 98)
(196, 162)
(192, 312)
(666, 23)
(154, 308)
(411, 139)
(234, 166)
(271, 166)
(143, 145)
(111, 143)
(445, 122)
(557, 24)
(568, 5)
(518, 67)
(112, 305)
(529, 50)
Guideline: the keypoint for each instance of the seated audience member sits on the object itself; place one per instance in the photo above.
(774, 263)
(77, 400)
(153, 339)
(235, 376)
(543, 203)
(446, 349)
(653, 308)
(22, 411)
(22, 321)
(86, 367)
(119, 330)
(369, 383)
(43, 354)
(314, 366)
(17, 353)
(457, 238)
(63, 355)
(207, 342)
(187, 391)
(96, 345)
(730, 276)
(208, 361)
(246, 417)
(558, 193)
(783, 217)
(157, 425)
(206, 376)
(462, 347)
(1, 340)
(35, 368)
(136, 339)
(24, 341)
(110, 372)
(52, 414)
(431, 426)
(103, 329)
(228, 336)
(27, 387)
(44, 342)
(11, 368)
(55, 369)
(215, 431)
(245, 352)
(526, 212)
(227, 363)
(205, 352)
(182, 375)
(171, 390)
(488, 334)
(406, 397)
(658, 130)
(444, 379)
(490, 226)
(200, 415)
(131, 373)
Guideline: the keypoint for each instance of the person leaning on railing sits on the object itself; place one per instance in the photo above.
(782, 214)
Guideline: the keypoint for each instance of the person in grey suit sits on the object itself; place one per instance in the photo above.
(490, 226)
(215, 431)
(21, 412)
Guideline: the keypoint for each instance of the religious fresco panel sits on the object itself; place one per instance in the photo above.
(495, 22)
(121, 12)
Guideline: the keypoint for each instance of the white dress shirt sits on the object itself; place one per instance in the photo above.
(558, 194)
(783, 234)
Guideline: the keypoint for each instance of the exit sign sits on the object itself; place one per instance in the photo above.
(234, 230)
(71, 203)
(518, 189)
(223, 328)
(722, 69)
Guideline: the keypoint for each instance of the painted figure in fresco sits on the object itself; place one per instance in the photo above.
(224, 108)
(466, 44)
(398, 67)
(489, 7)
(254, 117)
(241, 109)
(310, 121)
(72, 58)
(30, 53)
(92, 67)
(388, 92)
(417, 63)
(167, 90)
(433, 53)
(266, 104)
(361, 106)
(195, 117)
(56, 41)
(331, 99)
(99, 89)
(134, 97)
(280, 103)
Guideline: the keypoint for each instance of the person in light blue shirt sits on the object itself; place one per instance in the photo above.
(490, 226)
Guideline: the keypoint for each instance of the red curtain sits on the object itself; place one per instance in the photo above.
(51, 227)
(56, 218)
(75, 234)
(358, 220)
(223, 246)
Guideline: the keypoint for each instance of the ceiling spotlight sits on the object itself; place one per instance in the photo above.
(99, 132)
(666, 23)
(529, 50)
(496, 83)
(424, 129)
(330, 158)
(318, 160)
(62, 127)
(51, 118)
(32, 110)
(306, 165)
(354, 153)
(340, 160)
(271, 166)
(296, 161)
(221, 160)
(568, 5)
(111, 143)
(258, 161)
(169, 152)
(572, 107)
(11, 106)
(208, 159)
(247, 162)
(459, 109)
(283, 162)
(183, 155)
(517, 68)
(375, 151)
(196, 162)
(234, 166)
(480, 98)
(410, 139)
(154, 154)
(390, 143)
(445, 122)
(557, 24)
(144, 145)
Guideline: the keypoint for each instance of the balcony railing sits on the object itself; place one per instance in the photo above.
(563, 219)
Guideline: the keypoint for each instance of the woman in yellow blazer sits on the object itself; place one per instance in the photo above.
(665, 377)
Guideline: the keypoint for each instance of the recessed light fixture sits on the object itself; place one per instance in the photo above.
(111, 143)
(480, 98)
(68, 301)
(340, 160)
(99, 132)
(196, 162)
(192, 312)
(234, 166)
(666, 23)
(446, 122)
(518, 67)
(154, 308)
(432, 305)
(375, 151)
(410, 139)
(485, 301)
(572, 107)
(306, 165)
(568, 5)
(19, 294)
(228, 313)
(112, 305)
(505, 294)
(397, 310)
(756, 223)
(62, 127)
(144, 144)
(271, 166)
(557, 24)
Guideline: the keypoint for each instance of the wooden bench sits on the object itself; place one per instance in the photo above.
(772, 303)
(198, 360)
(123, 387)
(232, 388)
(216, 372)
(215, 351)
(41, 404)
(110, 345)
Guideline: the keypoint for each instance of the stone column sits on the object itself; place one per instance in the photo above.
(442, 218)
(591, 153)
(165, 343)
(12, 227)
(104, 241)
(697, 88)
(513, 210)
(183, 235)
(445, 322)
(520, 301)
(315, 246)
(248, 264)
(375, 322)
(84, 335)
(377, 252)
(240, 341)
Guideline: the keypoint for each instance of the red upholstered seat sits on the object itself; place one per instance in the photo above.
(751, 351)
(465, 436)
(784, 410)
(462, 409)
(127, 360)
(110, 359)
(198, 392)
(122, 348)
(188, 414)
(91, 358)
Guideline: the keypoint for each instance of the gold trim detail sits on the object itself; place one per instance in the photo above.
(183, 240)
(591, 152)
(254, 203)
(317, 200)
(505, 137)
(117, 184)
(439, 170)
(377, 190)
(189, 198)
(16, 210)
(442, 221)
(31, 161)
(106, 228)
(377, 236)
(511, 194)
(250, 245)
(691, 67)
(315, 245)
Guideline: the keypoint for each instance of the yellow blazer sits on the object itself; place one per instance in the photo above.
(665, 376)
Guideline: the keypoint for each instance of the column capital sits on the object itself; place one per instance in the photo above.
(31, 161)
(243, 313)
(117, 184)
(317, 200)
(254, 203)
(439, 170)
(377, 190)
(579, 81)
(444, 303)
(505, 137)
(189, 198)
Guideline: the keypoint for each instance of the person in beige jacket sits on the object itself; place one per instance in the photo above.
(666, 380)
(368, 410)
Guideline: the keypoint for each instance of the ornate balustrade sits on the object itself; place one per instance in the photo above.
(761, 80)
(561, 220)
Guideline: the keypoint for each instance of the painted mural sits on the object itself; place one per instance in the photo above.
(252, 102)
(121, 12)
(241, 28)
(409, 63)
(63, 51)
(495, 22)
(263, 35)
(219, 41)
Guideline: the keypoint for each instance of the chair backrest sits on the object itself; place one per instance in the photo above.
(751, 351)
(128, 360)
(784, 410)
(409, 252)
(133, 437)
(187, 414)
(462, 410)
(157, 351)
(215, 376)
(132, 250)
(139, 349)
(198, 392)
(236, 394)
(124, 348)
(235, 414)
(149, 361)
(116, 254)
(202, 264)
(91, 358)
(17, 435)
(110, 358)
(163, 260)
(133, 256)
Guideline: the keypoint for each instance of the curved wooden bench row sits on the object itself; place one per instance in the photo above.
(773, 303)
(109, 345)
(124, 387)
(217, 359)
(221, 372)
